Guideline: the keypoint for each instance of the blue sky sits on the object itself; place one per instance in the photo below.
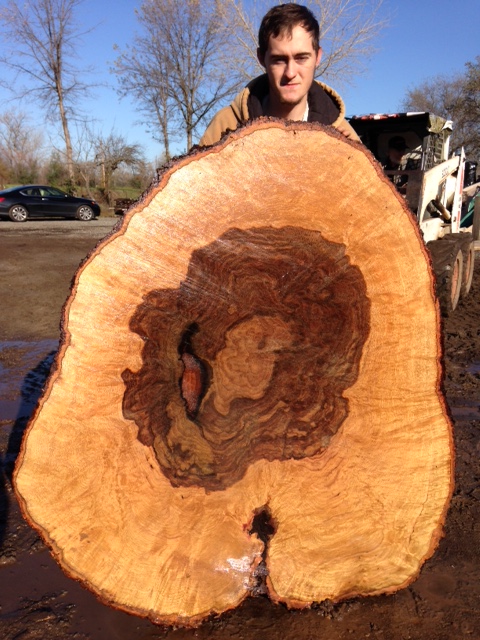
(425, 38)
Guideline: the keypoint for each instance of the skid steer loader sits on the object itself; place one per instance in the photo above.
(431, 181)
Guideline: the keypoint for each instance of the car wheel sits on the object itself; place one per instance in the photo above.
(18, 213)
(85, 213)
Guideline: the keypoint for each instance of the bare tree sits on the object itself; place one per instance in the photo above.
(439, 95)
(470, 108)
(43, 37)
(137, 177)
(143, 75)
(111, 152)
(85, 161)
(180, 68)
(20, 147)
(456, 97)
(348, 29)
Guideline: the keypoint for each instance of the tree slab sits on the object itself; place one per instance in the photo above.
(260, 335)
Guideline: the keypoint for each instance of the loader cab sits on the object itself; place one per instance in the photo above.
(427, 138)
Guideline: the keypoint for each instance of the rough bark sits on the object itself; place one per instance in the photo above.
(248, 386)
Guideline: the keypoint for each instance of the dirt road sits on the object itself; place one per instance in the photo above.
(38, 261)
(37, 601)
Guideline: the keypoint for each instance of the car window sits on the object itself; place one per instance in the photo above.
(31, 191)
(56, 193)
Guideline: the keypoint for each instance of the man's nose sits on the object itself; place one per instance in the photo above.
(291, 69)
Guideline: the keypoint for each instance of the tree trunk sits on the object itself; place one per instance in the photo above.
(66, 136)
(248, 386)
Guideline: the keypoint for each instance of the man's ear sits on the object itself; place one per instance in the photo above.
(261, 57)
(319, 56)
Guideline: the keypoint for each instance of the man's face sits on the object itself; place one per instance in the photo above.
(396, 155)
(290, 63)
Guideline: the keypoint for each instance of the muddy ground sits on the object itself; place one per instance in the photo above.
(37, 601)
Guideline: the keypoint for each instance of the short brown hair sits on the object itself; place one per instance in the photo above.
(281, 19)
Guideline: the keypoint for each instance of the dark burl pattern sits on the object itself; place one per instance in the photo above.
(249, 358)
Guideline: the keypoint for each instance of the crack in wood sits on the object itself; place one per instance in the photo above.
(195, 379)
(264, 527)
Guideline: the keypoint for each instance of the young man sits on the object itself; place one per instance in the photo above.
(397, 148)
(289, 51)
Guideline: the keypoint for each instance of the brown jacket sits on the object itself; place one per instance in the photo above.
(325, 106)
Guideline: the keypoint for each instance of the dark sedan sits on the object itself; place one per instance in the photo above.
(21, 203)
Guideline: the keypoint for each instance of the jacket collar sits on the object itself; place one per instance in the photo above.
(325, 105)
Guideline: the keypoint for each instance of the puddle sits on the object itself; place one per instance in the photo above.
(14, 409)
(36, 582)
(465, 410)
(24, 368)
(474, 368)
